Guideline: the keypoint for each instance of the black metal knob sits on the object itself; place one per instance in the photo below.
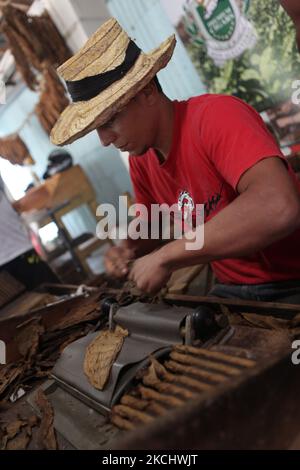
(204, 323)
(106, 304)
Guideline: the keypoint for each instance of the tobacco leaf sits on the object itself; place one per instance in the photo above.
(17, 434)
(101, 354)
(12, 429)
(28, 338)
(20, 442)
(41, 345)
(47, 436)
(10, 374)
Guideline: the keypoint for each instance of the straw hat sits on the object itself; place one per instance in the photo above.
(103, 77)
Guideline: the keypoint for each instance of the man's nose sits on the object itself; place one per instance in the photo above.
(106, 136)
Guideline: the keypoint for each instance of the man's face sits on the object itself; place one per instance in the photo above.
(130, 129)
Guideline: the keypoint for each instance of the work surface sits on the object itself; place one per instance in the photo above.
(189, 404)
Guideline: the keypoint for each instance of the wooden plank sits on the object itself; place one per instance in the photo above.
(235, 304)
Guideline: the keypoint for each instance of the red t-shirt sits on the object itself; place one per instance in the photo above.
(216, 139)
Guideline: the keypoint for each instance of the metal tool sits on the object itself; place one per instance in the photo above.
(153, 329)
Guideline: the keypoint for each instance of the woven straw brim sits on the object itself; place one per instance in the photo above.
(80, 118)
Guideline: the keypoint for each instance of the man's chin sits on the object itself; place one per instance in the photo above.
(138, 152)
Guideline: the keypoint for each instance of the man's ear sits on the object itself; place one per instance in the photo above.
(150, 93)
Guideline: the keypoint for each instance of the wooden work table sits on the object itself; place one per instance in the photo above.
(57, 196)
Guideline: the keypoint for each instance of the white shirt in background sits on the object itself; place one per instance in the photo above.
(14, 239)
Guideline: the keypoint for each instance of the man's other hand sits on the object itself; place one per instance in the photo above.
(117, 260)
(149, 273)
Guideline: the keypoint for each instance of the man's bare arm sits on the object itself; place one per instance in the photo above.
(267, 210)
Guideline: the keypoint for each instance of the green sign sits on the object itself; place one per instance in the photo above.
(222, 26)
(221, 23)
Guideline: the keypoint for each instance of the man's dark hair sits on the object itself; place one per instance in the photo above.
(158, 85)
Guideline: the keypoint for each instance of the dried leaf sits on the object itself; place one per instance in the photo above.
(13, 149)
(9, 374)
(41, 349)
(20, 442)
(101, 354)
(32, 40)
(28, 338)
(12, 429)
(17, 435)
(47, 435)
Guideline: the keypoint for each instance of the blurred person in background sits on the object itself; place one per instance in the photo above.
(17, 256)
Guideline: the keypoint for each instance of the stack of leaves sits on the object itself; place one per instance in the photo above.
(13, 148)
(41, 344)
(53, 99)
(18, 434)
(33, 40)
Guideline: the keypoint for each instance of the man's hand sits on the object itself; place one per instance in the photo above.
(149, 273)
(117, 260)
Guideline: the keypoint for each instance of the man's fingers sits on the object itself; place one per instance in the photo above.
(117, 261)
(128, 254)
(115, 271)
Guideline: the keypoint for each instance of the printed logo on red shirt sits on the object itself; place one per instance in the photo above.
(186, 204)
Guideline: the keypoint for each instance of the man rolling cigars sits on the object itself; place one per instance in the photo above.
(212, 150)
